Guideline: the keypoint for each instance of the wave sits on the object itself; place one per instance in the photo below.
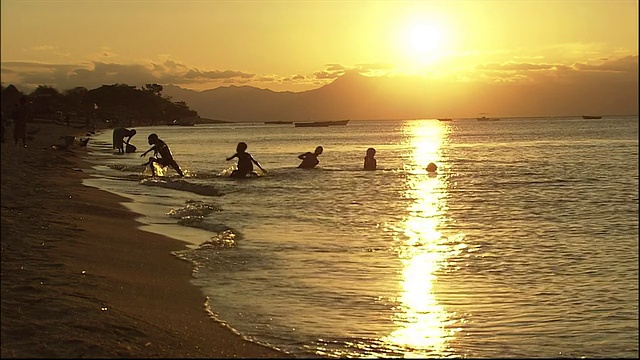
(182, 185)
(206, 253)
(193, 208)
(200, 223)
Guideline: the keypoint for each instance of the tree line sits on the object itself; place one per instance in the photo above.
(111, 105)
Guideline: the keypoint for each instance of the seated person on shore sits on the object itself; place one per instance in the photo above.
(310, 160)
(118, 139)
(166, 158)
(245, 162)
(370, 160)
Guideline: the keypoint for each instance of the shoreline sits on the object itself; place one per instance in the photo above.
(80, 279)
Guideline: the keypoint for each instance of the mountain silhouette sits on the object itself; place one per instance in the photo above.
(358, 97)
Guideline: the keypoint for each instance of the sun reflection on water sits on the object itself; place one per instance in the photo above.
(424, 327)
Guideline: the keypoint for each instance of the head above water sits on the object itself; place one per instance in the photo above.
(371, 152)
(318, 150)
(152, 139)
(242, 147)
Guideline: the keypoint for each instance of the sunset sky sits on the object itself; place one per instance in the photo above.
(301, 45)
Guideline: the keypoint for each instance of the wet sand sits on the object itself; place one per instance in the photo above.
(80, 280)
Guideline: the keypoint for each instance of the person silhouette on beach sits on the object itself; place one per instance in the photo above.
(245, 162)
(118, 140)
(21, 114)
(166, 158)
(310, 160)
(370, 160)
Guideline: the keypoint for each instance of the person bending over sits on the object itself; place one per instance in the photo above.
(118, 139)
(310, 160)
(159, 147)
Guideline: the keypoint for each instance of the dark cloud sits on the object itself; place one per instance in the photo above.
(625, 64)
(334, 67)
(512, 66)
(215, 75)
(30, 75)
(612, 81)
(327, 75)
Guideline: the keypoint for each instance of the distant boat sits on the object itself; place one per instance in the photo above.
(484, 118)
(337, 122)
(321, 123)
(445, 119)
(278, 122)
(591, 117)
(181, 123)
(311, 124)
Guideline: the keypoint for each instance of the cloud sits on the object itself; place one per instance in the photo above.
(92, 74)
(333, 71)
(577, 73)
(512, 66)
(327, 75)
(215, 75)
(627, 64)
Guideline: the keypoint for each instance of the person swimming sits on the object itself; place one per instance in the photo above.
(432, 168)
(310, 160)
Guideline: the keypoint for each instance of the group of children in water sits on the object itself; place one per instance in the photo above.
(245, 160)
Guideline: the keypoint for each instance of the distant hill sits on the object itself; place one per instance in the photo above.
(354, 96)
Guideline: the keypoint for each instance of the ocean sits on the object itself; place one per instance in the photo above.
(524, 243)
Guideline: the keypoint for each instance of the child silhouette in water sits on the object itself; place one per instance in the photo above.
(309, 160)
(166, 158)
(245, 162)
(370, 160)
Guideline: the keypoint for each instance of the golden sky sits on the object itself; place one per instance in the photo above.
(300, 45)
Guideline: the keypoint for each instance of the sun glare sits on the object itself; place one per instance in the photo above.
(423, 42)
(424, 38)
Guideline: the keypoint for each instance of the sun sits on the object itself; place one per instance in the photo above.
(423, 41)
(424, 38)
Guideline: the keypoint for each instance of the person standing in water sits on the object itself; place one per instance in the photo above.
(166, 158)
(310, 160)
(370, 160)
(245, 162)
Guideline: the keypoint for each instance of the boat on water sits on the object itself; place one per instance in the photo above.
(484, 118)
(336, 122)
(181, 123)
(279, 122)
(311, 124)
(321, 123)
(445, 119)
(591, 117)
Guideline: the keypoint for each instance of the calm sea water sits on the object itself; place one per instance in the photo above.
(524, 244)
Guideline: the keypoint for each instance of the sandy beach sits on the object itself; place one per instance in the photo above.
(80, 280)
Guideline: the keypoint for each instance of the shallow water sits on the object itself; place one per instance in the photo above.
(523, 244)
